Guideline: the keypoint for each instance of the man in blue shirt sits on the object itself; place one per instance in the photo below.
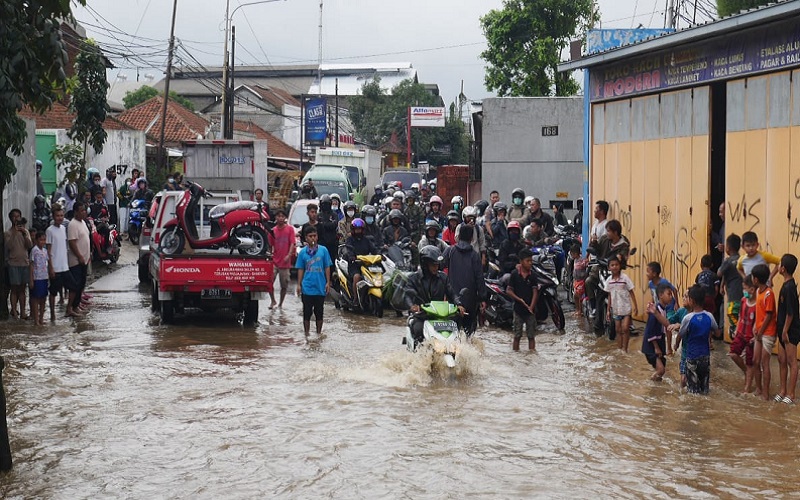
(313, 279)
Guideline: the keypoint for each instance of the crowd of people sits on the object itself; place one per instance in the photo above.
(757, 321)
(450, 249)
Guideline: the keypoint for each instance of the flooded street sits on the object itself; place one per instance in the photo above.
(117, 406)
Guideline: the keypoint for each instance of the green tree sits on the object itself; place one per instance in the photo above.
(32, 62)
(728, 7)
(525, 41)
(376, 114)
(147, 92)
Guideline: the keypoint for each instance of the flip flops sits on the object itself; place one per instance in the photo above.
(778, 398)
(787, 400)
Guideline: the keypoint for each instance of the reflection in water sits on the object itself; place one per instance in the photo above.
(116, 405)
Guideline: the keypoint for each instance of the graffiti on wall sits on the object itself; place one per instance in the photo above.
(744, 212)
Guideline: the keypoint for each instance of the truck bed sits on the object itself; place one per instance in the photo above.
(202, 271)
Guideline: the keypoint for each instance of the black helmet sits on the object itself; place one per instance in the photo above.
(430, 253)
(453, 215)
(518, 193)
(500, 206)
(411, 194)
(38, 200)
(368, 210)
(395, 214)
(481, 205)
(325, 202)
(348, 205)
(432, 224)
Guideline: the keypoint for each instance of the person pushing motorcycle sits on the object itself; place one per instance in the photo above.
(426, 285)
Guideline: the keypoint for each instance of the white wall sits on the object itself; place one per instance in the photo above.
(122, 147)
(22, 189)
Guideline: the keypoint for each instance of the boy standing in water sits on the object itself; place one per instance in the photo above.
(788, 329)
(313, 279)
(621, 302)
(731, 281)
(523, 291)
(743, 336)
(695, 332)
(653, 344)
(766, 329)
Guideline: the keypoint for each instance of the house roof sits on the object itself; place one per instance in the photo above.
(392, 146)
(275, 96)
(782, 10)
(181, 124)
(60, 117)
(276, 148)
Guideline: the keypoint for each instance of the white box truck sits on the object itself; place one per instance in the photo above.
(367, 161)
(227, 165)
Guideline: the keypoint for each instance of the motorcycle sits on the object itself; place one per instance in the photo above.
(368, 296)
(441, 333)
(400, 255)
(240, 225)
(499, 307)
(568, 236)
(137, 216)
(597, 317)
(105, 240)
(548, 303)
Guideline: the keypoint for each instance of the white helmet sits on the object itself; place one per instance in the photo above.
(469, 211)
(415, 186)
(528, 200)
(457, 199)
(400, 195)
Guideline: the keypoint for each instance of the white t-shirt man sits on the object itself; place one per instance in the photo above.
(57, 244)
(78, 231)
(111, 194)
(598, 229)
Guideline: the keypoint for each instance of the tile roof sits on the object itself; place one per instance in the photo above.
(275, 96)
(181, 124)
(60, 117)
(276, 148)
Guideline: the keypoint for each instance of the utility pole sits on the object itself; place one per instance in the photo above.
(337, 112)
(162, 157)
(224, 117)
(319, 51)
(670, 19)
(230, 89)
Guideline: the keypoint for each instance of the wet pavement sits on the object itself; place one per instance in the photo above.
(115, 405)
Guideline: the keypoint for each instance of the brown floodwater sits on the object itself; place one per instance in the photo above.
(116, 405)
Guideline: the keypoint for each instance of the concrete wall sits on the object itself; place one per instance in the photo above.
(22, 189)
(122, 147)
(515, 153)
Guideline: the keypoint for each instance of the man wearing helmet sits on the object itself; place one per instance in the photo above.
(39, 184)
(141, 189)
(377, 197)
(109, 185)
(431, 237)
(308, 191)
(466, 273)
(518, 211)
(510, 248)
(449, 233)
(457, 202)
(478, 238)
(396, 203)
(436, 211)
(426, 285)
(358, 245)
(415, 215)
(371, 228)
(327, 224)
(336, 206)
(395, 231)
(41, 214)
(343, 230)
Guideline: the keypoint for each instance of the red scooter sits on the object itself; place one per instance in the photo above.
(240, 225)
(105, 240)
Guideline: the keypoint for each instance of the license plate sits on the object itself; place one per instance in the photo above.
(215, 293)
(375, 269)
(440, 326)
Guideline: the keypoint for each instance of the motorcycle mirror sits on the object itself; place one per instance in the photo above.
(633, 251)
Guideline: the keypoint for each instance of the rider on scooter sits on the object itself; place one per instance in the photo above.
(371, 229)
(327, 224)
(357, 245)
(426, 285)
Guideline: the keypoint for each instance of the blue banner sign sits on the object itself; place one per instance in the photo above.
(316, 121)
(603, 40)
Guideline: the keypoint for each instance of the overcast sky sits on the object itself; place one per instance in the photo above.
(441, 38)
